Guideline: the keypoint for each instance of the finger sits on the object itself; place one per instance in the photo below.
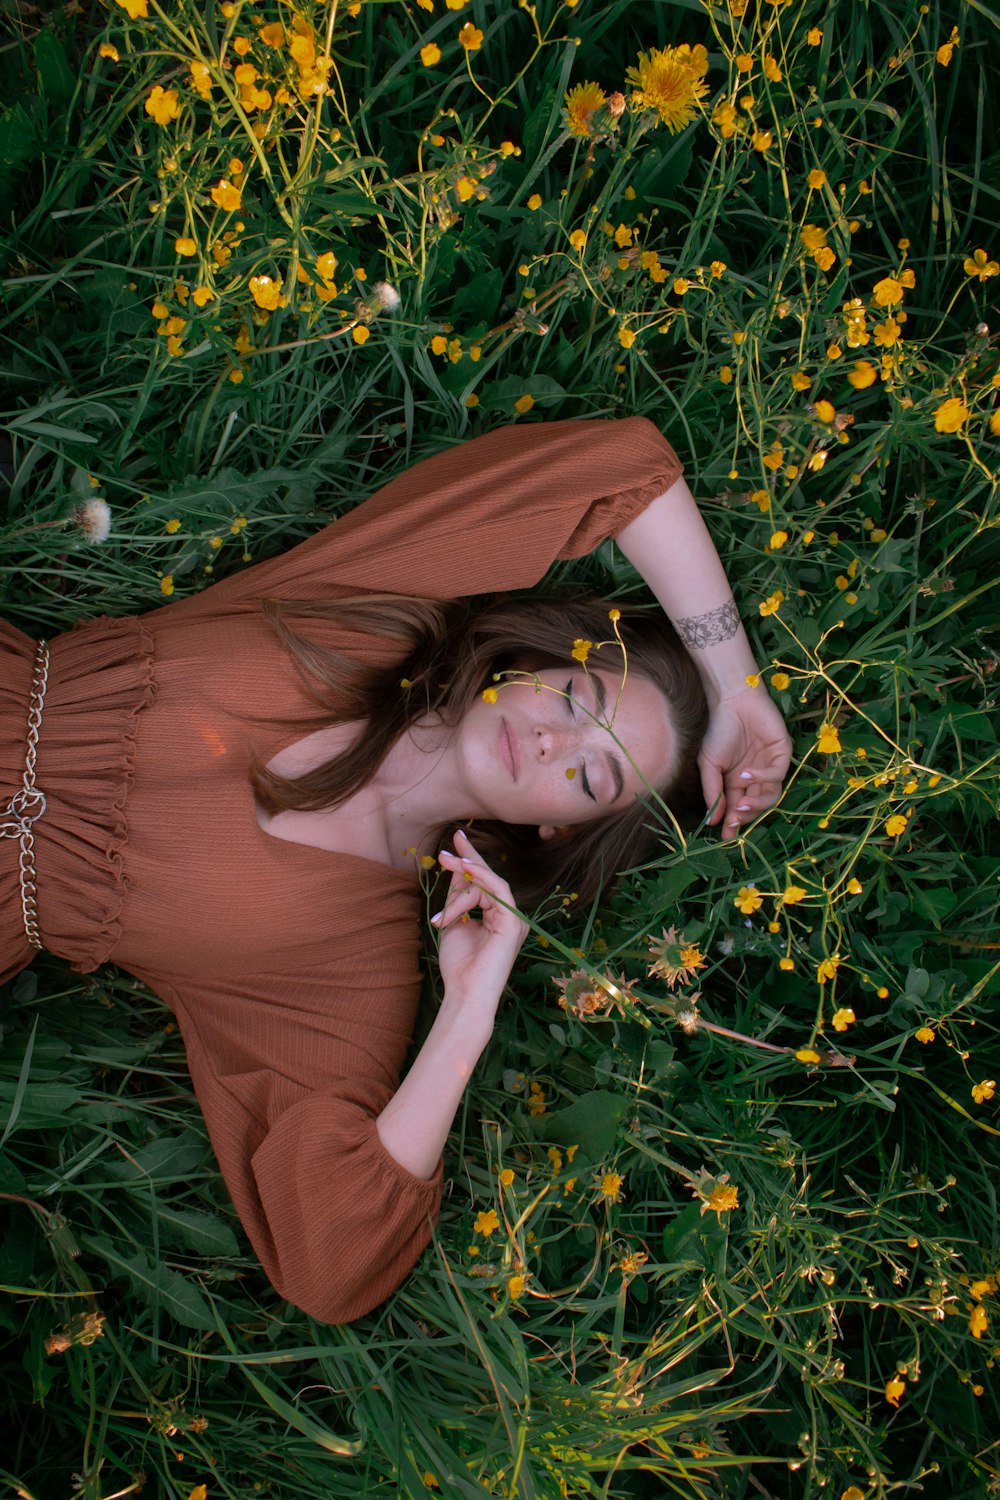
(712, 790)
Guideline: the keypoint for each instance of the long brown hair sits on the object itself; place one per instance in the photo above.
(445, 654)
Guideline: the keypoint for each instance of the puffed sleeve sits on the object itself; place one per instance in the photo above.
(291, 1083)
(486, 516)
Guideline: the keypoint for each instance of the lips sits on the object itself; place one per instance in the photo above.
(508, 748)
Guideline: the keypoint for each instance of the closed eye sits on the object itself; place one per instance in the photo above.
(584, 782)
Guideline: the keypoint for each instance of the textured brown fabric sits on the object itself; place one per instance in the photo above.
(293, 971)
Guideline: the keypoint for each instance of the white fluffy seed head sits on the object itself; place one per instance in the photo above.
(94, 519)
(389, 299)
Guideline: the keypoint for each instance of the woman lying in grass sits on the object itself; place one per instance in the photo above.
(231, 798)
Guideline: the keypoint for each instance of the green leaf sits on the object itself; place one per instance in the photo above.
(202, 1233)
(590, 1122)
(155, 1282)
(55, 76)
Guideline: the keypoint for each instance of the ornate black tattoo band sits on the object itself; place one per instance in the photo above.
(699, 631)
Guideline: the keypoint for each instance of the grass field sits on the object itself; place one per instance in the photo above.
(257, 258)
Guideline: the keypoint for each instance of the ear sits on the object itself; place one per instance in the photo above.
(549, 831)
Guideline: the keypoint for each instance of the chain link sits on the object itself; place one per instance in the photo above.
(28, 803)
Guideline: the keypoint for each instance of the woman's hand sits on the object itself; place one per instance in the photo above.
(476, 955)
(744, 757)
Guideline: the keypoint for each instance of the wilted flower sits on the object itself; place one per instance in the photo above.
(674, 958)
(94, 519)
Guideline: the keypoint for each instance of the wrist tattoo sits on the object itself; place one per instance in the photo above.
(699, 631)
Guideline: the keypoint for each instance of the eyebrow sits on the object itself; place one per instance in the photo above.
(614, 764)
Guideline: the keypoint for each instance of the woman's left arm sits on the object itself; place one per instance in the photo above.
(747, 750)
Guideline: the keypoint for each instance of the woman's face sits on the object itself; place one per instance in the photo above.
(570, 745)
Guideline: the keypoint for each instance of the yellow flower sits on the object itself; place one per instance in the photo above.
(581, 650)
(726, 374)
(763, 140)
(863, 375)
(670, 81)
(827, 969)
(778, 540)
(138, 9)
(535, 201)
(816, 178)
(516, 1286)
(487, 1222)
(726, 118)
(888, 291)
(828, 742)
(743, 61)
(786, 963)
(465, 187)
(580, 106)
(185, 245)
(800, 381)
(107, 50)
(360, 334)
(814, 36)
(842, 1018)
(781, 681)
(924, 1034)
(895, 825)
(772, 68)
(273, 34)
(825, 410)
(894, 1388)
(984, 1090)
(266, 292)
(978, 1321)
(430, 55)
(626, 337)
(723, 1198)
(326, 265)
(227, 197)
(995, 423)
(578, 239)
(470, 37)
(951, 415)
(167, 584)
(455, 4)
(163, 105)
(172, 526)
(793, 894)
(887, 333)
(748, 900)
(772, 603)
(490, 695)
(807, 1055)
(439, 344)
(610, 1187)
(977, 264)
(506, 1177)
(202, 295)
(523, 404)
(854, 886)
(681, 285)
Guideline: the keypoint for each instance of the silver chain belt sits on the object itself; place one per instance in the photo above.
(29, 803)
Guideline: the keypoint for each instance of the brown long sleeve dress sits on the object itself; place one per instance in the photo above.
(292, 971)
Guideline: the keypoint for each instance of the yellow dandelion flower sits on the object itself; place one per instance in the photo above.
(669, 82)
(580, 106)
(722, 1199)
(610, 1188)
(951, 415)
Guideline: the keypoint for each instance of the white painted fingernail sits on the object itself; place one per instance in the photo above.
(437, 917)
(746, 776)
(743, 807)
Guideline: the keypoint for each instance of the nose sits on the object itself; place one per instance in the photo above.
(557, 739)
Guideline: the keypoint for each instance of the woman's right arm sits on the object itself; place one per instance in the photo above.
(476, 959)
